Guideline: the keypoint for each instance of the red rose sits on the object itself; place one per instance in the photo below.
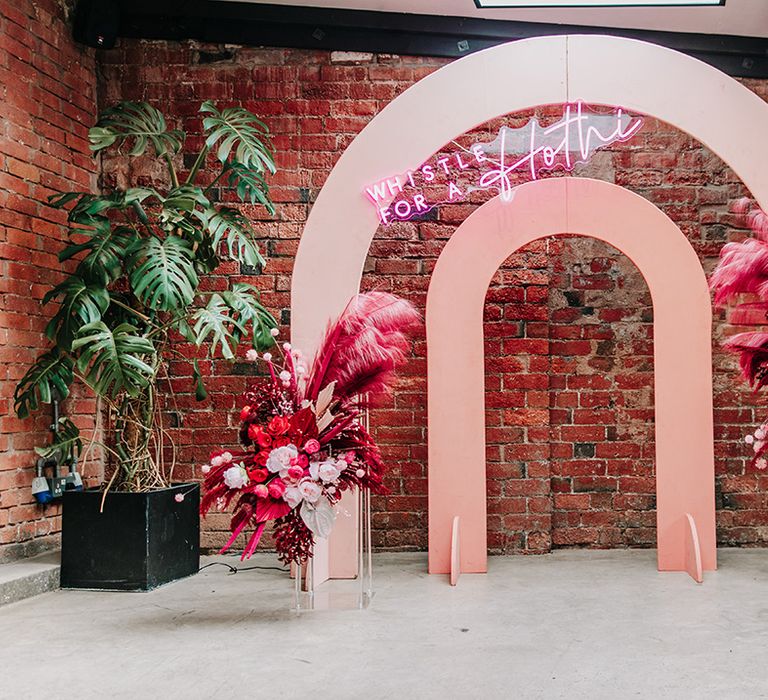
(254, 430)
(261, 458)
(264, 439)
(302, 460)
(245, 412)
(280, 442)
(258, 475)
(279, 425)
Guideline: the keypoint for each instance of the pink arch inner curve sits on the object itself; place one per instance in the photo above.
(682, 356)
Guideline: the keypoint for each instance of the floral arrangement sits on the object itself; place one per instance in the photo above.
(743, 270)
(303, 440)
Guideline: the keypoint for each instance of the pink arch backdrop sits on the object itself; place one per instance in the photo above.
(696, 98)
(685, 469)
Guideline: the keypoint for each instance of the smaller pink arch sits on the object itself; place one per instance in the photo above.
(682, 355)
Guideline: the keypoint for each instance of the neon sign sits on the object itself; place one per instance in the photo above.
(526, 151)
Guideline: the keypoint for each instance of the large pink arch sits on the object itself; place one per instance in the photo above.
(689, 94)
(685, 475)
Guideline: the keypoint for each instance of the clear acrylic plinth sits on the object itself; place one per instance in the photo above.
(340, 594)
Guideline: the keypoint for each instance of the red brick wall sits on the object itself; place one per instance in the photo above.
(568, 320)
(47, 102)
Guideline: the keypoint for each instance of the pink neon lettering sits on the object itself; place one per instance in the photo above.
(395, 188)
(377, 193)
(462, 165)
(477, 151)
(531, 148)
(402, 209)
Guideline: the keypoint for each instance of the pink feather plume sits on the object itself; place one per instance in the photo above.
(752, 349)
(361, 350)
(743, 268)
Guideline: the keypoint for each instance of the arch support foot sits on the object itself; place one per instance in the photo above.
(455, 551)
(692, 550)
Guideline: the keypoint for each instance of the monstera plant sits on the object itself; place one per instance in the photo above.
(135, 293)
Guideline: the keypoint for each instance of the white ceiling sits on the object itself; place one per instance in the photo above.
(736, 17)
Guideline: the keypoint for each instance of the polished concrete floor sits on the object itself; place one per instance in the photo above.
(567, 625)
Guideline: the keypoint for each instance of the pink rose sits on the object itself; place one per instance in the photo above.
(302, 460)
(261, 491)
(276, 488)
(295, 474)
(310, 490)
(311, 446)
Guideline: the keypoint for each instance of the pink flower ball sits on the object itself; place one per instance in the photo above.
(179, 497)
(360, 473)
(312, 446)
(268, 356)
(217, 461)
(287, 347)
(274, 332)
(749, 439)
(761, 463)
(252, 355)
(261, 491)
(285, 376)
(205, 468)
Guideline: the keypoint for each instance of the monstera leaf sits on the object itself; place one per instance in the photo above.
(162, 273)
(243, 301)
(48, 378)
(106, 248)
(113, 360)
(66, 445)
(214, 321)
(136, 122)
(237, 129)
(249, 185)
(185, 207)
(231, 226)
(81, 303)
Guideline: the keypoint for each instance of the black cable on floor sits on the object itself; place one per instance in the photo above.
(234, 569)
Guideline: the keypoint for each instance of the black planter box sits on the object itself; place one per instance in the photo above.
(139, 542)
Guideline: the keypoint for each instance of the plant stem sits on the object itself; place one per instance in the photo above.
(196, 166)
(171, 170)
(144, 318)
(214, 181)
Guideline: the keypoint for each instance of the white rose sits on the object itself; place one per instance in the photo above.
(310, 490)
(314, 470)
(280, 458)
(328, 472)
(235, 477)
(292, 496)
